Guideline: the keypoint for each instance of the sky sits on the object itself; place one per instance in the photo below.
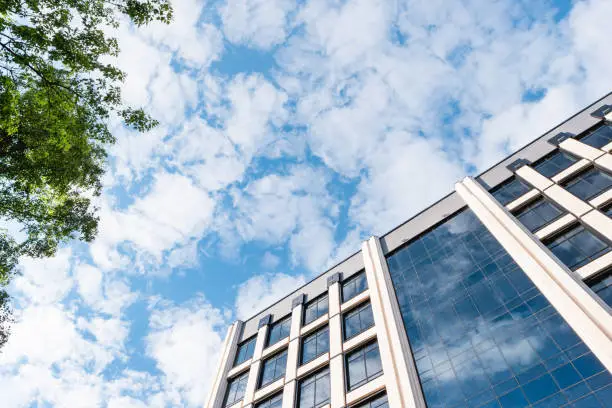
(289, 132)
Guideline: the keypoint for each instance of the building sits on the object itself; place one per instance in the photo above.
(498, 295)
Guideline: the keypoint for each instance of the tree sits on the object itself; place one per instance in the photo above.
(57, 95)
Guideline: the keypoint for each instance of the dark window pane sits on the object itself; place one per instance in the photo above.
(379, 401)
(602, 286)
(358, 320)
(313, 391)
(235, 389)
(273, 369)
(354, 286)
(481, 333)
(245, 351)
(315, 309)
(315, 344)
(588, 184)
(363, 365)
(577, 246)
(279, 331)
(607, 210)
(274, 402)
(598, 138)
(510, 191)
(555, 164)
(537, 214)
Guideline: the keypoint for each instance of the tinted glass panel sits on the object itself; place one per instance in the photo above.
(602, 286)
(315, 309)
(274, 402)
(555, 164)
(273, 368)
(363, 365)
(482, 334)
(358, 320)
(599, 138)
(510, 191)
(376, 402)
(279, 331)
(537, 214)
(577, 247)
(245, 351)
(315, 344)
(354, 286)
(314, 391)
(235, 389)
(589, 184)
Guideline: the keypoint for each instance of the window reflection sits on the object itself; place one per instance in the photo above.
(598, 138)
(482, 334)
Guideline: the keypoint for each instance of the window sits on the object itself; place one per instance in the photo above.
(315, 344)
(354, 286)
(358, 320)
(313, 391)
(599, 138)
(588, 184)
(379, 401)
(273, 369)
(235, 389)
(315, 309)
(537, 214)
(279, 331)
(245, 351)
(274, 402)
(363, 366)
(602, 286)
(555, 164)
(577, 247)
(607, 210)
(510, 191)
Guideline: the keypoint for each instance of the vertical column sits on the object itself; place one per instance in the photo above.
(217, 390)
(262, 335)
(402, 382)
(582, 312)
(293, 351)
(336, 359)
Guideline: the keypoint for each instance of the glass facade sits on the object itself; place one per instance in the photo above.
(598, 138)
(315, 309)
(577, 246)
(482, 334)
(363, 365)
(315, 344)
(537, 214)
(358, 320)
(273, 369)
(510, 191)
(314, 391)
(602, 286)
(279, 331)
(354, 286)
(588, 184)
(555, 164)
(245, 351)
(274, 402)
(235, 389)
(376, 402)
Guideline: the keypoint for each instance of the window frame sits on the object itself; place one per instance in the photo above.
(549, 158)
(568, 230)
(590, 132)
(316, 335)
(322, 372)
(252, 341)
(532, 205)
(275, 357)
(351, 280)
(367, 403)
(279, 322)
(505, 185)
(315, 302)
(356, 310)
(598, 279)
(238, 377)
(261, 403)
(361, 353)
(576, 178)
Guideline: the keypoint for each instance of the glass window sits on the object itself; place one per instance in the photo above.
(555, 164)
(379, 401)
(481, 333)
(315, 309)
(313, 391)
(607, 210)
(510, 191)
(273, 368)
(577, 247)
(354, 286)
(537, 214)
(599, 138)
(315, 344)
(602, 286)
(245, 351)
(235, 389)
(588, 184)
(279, 331)
(363, 365)
(274, 402)
(358, 320)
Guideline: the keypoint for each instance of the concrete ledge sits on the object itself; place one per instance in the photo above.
(275, 347)
(534, 178)
(356, 301)
(571, 171)
(359, 339)
(239, 368)
(583, 150)
(314, 325)
(607, 148)
(269, 389)
(367, 390)
(599, 222)
(605, 162)
(555, 226)
(567, 200)
(602, 199)
(593, 268)
(522, 200)
(313, 365)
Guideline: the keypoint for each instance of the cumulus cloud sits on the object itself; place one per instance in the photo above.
(263, 290)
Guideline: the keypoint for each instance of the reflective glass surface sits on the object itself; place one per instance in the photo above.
(274, 402)
(245, 351)
(236, 389)
(363, 365)
(577, 247)
(588, 184)
(315, 344)
(602, 286)
(598, 138)
(273, 368)
(510, 191)
(537, 214)
(376, 402)
(482, 334)
(314, 391)
(279, 331)
(555, 164)
(354, 286)
(358, 320)
(315, 309)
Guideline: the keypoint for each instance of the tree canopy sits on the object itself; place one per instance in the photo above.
(57, 94)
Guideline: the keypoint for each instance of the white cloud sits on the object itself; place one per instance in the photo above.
(262, 291)
(270, 261)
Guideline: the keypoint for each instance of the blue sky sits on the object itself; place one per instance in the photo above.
(290, 132)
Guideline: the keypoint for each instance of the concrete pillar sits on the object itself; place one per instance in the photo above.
(228, 351)
(336, 362)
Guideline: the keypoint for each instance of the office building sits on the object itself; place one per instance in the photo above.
(498, 295)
